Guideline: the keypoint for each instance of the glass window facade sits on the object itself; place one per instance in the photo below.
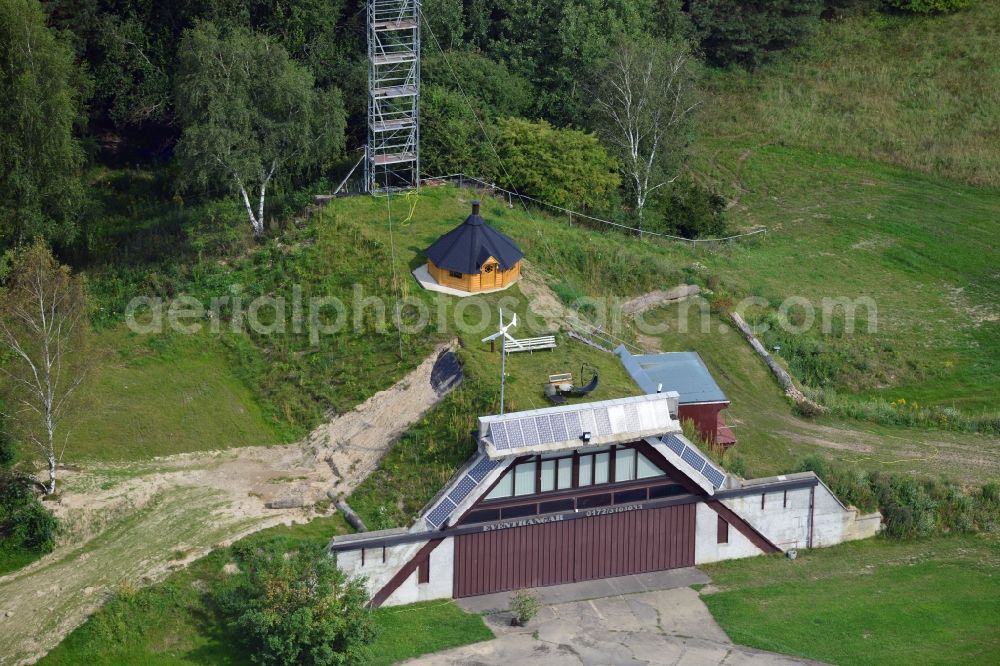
(594, 467)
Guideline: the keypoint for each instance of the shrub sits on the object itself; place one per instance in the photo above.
(296, 607)
(929, 6)
(7, 452)
(523, 607)
(911, 507)
(25, 525)
(690, 210)
(744, 33)
(563, 167)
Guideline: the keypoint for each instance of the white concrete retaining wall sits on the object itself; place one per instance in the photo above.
(440, 585)
(706, 545)
(378, 573)
(784, 520)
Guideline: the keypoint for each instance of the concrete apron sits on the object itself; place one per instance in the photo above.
(591, 589)
(665, 624)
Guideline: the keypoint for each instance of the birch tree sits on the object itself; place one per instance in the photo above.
(40, 159)
(42, 328)
(645, 97)
(250, 114)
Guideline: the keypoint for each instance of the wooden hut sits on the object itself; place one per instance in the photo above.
(474, 257)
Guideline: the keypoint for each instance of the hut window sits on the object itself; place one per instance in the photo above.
(455, 274)
(489, 268)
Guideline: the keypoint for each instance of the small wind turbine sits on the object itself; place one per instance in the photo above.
(504, 337)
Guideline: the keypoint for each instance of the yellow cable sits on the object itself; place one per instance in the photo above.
(412, 197)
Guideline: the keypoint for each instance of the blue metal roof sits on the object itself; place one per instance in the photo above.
(683, 372)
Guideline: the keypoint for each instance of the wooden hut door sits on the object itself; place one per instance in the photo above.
(488, 278)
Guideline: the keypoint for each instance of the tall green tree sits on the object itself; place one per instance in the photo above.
(564, 167)
(744, 32)
(250, 115)
(131, 48)
(40, 158)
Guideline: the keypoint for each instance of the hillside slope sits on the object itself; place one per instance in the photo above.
(921, 92)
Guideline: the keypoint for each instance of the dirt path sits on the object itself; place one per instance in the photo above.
(136, 523)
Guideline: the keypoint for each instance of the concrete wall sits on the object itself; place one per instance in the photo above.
(706, 545)
(377, 573)
(784, 520)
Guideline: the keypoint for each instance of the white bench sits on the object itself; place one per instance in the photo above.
(531, 344)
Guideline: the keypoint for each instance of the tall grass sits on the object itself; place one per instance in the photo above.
(902, 413)
(922, 92)
(911, 507)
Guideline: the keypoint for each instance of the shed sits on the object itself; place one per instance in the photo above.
(474, 257)
(701, 399)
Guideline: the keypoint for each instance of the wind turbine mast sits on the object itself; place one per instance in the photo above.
(504, 337)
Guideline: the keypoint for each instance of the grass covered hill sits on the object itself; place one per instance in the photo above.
(921, 248)
(918, 91)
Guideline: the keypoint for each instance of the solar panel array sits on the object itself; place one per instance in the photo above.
(460, 490)
(518, 433)
(695, 459)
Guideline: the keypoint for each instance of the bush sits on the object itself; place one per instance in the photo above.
(296, 607)
(911, 507)
(7, 451)
(562, 167)
(523, 607)
(930, 6)
(744, 33)
(25, 525)
(690, 210)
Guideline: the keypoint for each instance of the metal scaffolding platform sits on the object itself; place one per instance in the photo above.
(392, 158)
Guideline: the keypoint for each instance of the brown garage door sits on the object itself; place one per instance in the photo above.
(562, 552)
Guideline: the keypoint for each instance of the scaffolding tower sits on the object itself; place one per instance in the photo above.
(392, 157)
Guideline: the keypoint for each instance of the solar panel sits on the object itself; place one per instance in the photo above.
(716, 477)
(462, 489)
(440, 513)
(499, 434)
(482, 468)
(632, 418)
(544, 427)
(514, 435)
(691, 457)
(674, 444)
(573, 427)
(558, 424)
(603, 421)
(529, 431)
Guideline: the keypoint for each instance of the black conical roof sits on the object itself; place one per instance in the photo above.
(467, 246)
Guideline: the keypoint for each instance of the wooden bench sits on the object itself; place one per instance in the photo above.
(531, 344)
